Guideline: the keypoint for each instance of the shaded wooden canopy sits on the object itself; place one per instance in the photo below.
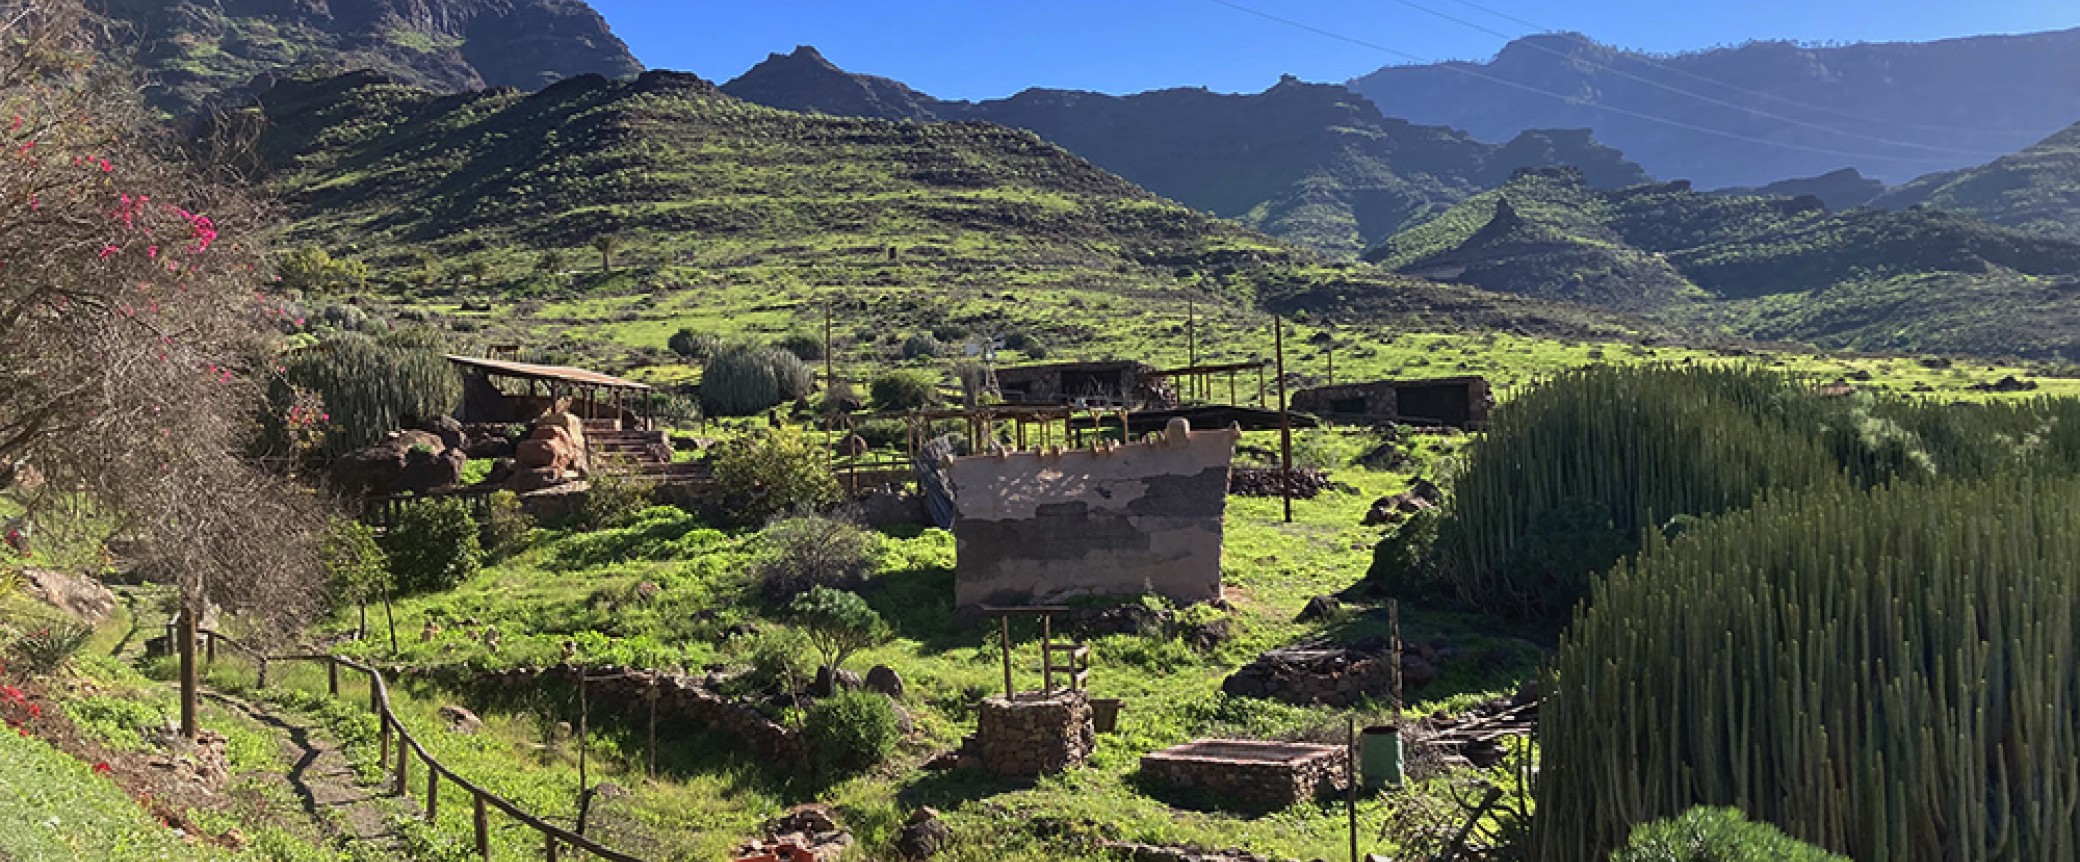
(551, 373)
(1204, 416)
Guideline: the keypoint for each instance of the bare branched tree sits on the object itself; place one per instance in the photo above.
(134, 334)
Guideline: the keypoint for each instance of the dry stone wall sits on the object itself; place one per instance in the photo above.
(1249, 774)
(1035, 735)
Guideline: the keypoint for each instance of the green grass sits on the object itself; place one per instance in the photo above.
(53, 807)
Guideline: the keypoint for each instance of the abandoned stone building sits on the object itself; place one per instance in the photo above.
(1456, 402)
(1116, 519)
(1133, 385)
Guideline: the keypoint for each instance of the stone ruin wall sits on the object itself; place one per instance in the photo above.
(1118, 520)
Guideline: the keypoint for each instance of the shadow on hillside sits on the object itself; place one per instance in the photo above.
(918, 604)
(948, 789)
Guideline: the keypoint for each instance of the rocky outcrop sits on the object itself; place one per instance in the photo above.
(413, 461)
(1337, 677)
(78, 595)
(443, 45)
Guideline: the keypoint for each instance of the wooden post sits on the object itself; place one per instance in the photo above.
(1046, 654)
(209, 647)
(1285, 421)
(1260, 385)
(550, 846)
(1350, 778)
(383, 735)
(263, 672)
(482, 820)
(332, 677)
(404, 765)
(433, 793)
(375, 693)
(582, 715)
(1191, 342)
(1005, 636)
(1394, 651)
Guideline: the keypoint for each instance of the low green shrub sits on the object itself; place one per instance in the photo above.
(433, 546)
(850, 732)
(779, 470)
(694, 345)
(904, 390)
(810, 550)
(920, 347)
(508, 529)
(1716, 835)
(837, 623)
(613, 496)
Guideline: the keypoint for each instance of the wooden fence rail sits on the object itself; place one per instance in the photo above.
(554, 838)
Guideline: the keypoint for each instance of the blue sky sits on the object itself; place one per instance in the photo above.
(975, 49)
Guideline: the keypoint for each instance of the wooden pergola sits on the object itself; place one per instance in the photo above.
(553, 382)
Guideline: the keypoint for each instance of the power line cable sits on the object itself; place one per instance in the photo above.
(1760, 94)
(1891, 142)
(1623, 112)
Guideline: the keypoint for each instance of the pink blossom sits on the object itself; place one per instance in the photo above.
(109, 250)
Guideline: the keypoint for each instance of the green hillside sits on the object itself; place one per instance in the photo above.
(1778, 268)
(1312, 163)
(200, 54)
(703, 196)
(2037, 189)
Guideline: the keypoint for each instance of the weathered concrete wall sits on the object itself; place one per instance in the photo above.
(1120, 520)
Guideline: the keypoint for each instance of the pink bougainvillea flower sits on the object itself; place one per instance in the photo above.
(108, 250)
(102, 768)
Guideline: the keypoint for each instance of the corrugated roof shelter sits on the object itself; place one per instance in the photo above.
(540, 389)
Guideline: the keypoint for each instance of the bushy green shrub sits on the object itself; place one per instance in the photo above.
(433, 546)
(694, 345)
(370, 389)
(508, 529)
(1716, 835)
(904, 390)
(762, 475)
(920, 347)
(837, 623)
(43, 645)
(355, 564)
(613, 497)
(806, 347)
(1401, 564)
(884, 433)
(1852, 666)
(851, 732)
(780, 659)
(312, 269)
(743, 380)
(811, 550)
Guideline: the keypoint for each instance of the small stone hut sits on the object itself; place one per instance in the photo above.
(1120, 383)
(1456, 402)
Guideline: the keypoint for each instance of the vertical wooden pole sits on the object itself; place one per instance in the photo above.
(375, 693)
(483, 825)
(331, 678)
(263, 672)
(1350, 779)
(1285, 421)
(652, 750)
(433, 793)
(1394, 651)
(1046, 654)
(549, 847)
(1191, 341)
(404, 765)
(191, 707)
(209, 648)
(1004, 635)
(582, 715)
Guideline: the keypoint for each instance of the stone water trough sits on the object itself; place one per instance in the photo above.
(1251, 774)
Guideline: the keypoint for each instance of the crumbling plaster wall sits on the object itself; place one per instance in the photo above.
(1118, 520)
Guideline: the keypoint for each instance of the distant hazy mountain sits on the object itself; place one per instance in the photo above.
(1839, 190)
(1765, 267)
(1893, 111)
(199, 52)
(1314, 163)
(2037, 189)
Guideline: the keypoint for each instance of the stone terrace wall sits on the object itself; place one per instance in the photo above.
(1117, 520)
(1260, 776)
(679, 698)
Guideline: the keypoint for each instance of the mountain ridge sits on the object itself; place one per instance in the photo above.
(1928, 99)
(1340, 176)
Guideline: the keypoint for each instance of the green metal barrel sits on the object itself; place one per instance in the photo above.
(1379, 757)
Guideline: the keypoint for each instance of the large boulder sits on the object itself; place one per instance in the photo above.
(379, 469)
(449, 430)
(424, 471)
(78, 595)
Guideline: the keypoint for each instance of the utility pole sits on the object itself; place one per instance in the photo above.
(1191, 341)
(1285, 420)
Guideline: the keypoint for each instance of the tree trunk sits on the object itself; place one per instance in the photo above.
(190, 686)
